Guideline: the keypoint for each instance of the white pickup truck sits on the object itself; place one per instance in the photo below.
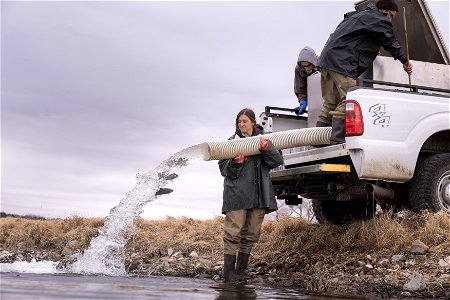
(397, 146)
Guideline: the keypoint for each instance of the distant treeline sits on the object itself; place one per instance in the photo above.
(29, 217)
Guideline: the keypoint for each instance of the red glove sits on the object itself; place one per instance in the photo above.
(240, 159)
(263, 143)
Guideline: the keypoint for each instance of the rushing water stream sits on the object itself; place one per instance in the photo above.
(105, 254)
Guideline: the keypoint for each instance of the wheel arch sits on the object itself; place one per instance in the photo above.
(439, 142)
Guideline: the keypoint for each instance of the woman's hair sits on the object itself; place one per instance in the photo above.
(247, 112)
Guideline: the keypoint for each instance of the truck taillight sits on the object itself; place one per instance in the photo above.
(354, 124)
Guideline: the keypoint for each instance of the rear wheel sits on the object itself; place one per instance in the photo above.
(430, 185)
(329, 211)
(363, 209)
(337, 212)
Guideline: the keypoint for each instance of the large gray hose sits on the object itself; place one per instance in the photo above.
(281, 140)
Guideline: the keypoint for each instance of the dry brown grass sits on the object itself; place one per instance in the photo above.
(153, 238)
(383, 233)
(38, 235)
(283, 237)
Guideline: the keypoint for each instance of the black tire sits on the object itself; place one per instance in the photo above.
(429, 188)
(363, 209)
(328, 211)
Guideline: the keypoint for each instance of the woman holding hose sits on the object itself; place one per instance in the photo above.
(247, 196)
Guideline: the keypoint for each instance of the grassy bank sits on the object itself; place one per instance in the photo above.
(287, 235)
(291, 251)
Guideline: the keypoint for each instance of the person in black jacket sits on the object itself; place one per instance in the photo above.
(351, 50)
(247, 196)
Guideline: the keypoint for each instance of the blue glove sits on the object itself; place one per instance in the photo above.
(301, 108)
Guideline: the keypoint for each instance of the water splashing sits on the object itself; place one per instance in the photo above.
(106, 252)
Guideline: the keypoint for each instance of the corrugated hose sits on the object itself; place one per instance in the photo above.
(281, 140)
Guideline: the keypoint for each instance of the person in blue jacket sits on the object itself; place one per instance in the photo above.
(248, 196)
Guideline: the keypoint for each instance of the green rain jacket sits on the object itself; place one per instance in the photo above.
(248, 185)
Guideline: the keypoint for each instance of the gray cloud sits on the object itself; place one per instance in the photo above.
(95, 92)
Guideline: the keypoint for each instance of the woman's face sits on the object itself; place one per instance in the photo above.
(245, 125)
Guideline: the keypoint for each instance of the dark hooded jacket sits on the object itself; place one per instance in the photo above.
(301, 82)
(354, 45)
(248, 185)
(301, 76)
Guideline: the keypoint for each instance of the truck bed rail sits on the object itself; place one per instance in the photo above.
(413, 88)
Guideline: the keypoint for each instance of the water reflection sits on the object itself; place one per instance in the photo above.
(248, 292)
(74, 286)
(228, 292)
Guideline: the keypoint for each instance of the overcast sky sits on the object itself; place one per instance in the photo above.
(94, 92)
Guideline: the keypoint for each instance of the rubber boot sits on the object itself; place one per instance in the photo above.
(337, 131)
(242, 264)
(229, 269)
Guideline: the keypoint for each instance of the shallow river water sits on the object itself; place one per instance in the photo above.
(26, 286)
